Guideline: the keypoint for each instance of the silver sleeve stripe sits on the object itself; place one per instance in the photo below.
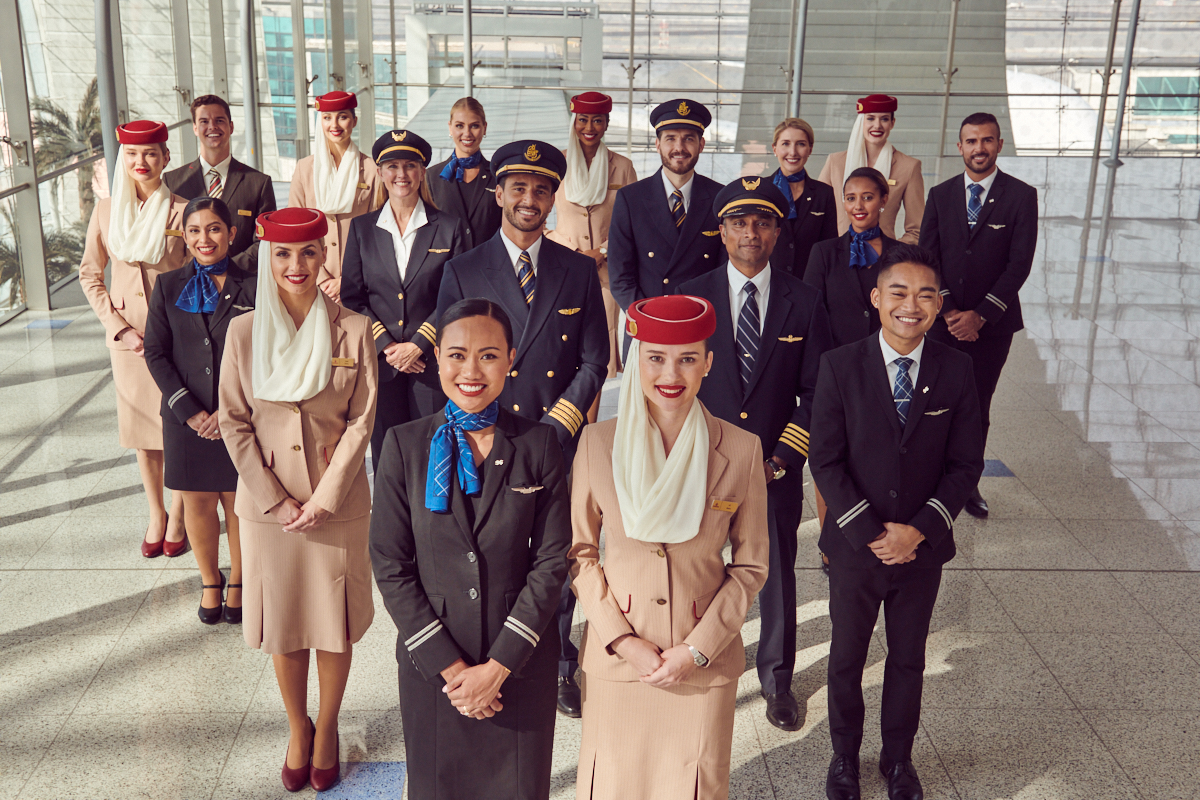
(425, 638)
(175, 398)
(944, 292)
(509, 624)
(997, 301)
(941, 509)
(852, 513)
(437, 623)
(524, 627)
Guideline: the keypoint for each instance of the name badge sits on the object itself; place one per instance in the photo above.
(343, 362)
(245, 212)
(891, 182)
(614, 186)
(170, 232)
(363, 186)
(724, 505)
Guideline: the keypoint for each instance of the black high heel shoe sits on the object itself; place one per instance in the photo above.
(233, 615)
(211, 616)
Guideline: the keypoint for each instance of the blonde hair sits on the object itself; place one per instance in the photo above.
(381, 193)
(797, 124)
(469, 104)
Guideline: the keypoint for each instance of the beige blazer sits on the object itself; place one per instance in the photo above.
(300, 195)
(678, 593)
(127, 303)
(586, 227)
(314, 449)
(905, 185)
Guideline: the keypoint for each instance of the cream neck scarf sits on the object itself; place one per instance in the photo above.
(137, 231)
(585, 186)
(289, 365)
(856, 154)
(334, 188)
(661, 497)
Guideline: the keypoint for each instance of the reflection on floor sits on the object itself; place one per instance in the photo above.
(1064, 660)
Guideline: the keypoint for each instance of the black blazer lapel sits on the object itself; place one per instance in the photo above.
(495, 477)
(779, 306)
(233, 180)
(658, 211)
(420, 248)
(876, 375)
(232, 293)
(479, 187)
(498, 271)
(193, 183)
(993, 198)
(699, 211)
(926, 378)
(451, 198)
(381, 264)
(725, 362)
(551, 277)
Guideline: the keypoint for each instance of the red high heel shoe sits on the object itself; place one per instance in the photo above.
(173, 549)
(154, 549)
(325, 779)
(296, 779)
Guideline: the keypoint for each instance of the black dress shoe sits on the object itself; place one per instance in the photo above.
(570, 702)
(976, 506)
(903, 783)
(233, 614)
(825, 564)
(784, 712)
(211, 616)
(841, 783)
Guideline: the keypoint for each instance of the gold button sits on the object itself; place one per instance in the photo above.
(513, 374)
(516, 407)
(564, 337)
(660, 554)
(550, 374)
(296, 447)
(140, 294)
(400, 323)
(661, 602)
(743, 415)
(586, 237)
(400, 296)
(651, 254)
(333, 244)
(296, 409)
(706, 255)
(666, 280)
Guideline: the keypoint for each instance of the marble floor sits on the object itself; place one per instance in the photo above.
(1064, 660)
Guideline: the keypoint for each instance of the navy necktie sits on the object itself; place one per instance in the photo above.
(525, 276)
(676, 204)
(903, 391)
(747, 334)
(973, 205)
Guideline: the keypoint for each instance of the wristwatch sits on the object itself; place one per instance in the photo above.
(604, 252)
(779, 471)
(698, 657)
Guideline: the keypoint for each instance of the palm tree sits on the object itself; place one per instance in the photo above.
(10, 259)
(59, 139)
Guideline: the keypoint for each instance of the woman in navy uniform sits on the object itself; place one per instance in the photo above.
(190, 312)
(391, 274)
(469, 536)
(812, 210)
(464, 185)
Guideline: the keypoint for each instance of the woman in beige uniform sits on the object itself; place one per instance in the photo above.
(869, 147)
(584, 203)
(297, 405)
(139, 229)
(670, 484)
(337, 179)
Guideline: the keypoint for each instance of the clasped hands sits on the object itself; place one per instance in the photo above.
(475, 691)
(205, 425)
(964, 325)
(296, 518)
(658, 668)
(404, 356)
(897, 544)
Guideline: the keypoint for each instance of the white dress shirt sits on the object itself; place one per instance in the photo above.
(737, 294)
(686, 189)
(402, 242)
(514, 252)
(893, 369)
(986, 183)
(222, 170)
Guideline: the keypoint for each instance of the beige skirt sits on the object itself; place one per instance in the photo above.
(622, 759)
(139, 425)
(612, 314)
(306, 591)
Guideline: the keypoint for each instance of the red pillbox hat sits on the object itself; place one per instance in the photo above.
(672, 319)
(292, 225)
(591, 103)
(142, 131)
(337, 101)
(876, 104)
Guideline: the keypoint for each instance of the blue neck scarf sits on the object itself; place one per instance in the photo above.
(450, 449)
(455, 167)
(862, 254)
(782, 182)
(200, 293)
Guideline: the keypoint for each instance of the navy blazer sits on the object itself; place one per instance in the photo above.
(482, 589)
(474, 203)
(182, 352)
(647, 255)
(816, 221)
(371, 282)
(845, 290)
(561, 340)
(870, 471)
(247, 192)
(777, 404)
(983, 268)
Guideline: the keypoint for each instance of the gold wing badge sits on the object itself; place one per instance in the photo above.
(567, 312)
(527, 489)
(790, 338)
(750, 185)
(399, 136)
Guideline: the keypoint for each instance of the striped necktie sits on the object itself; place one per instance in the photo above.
(903, 390)
(526, 277)
(214, 183)
(748, 334)
(973, 205)
(677, 207)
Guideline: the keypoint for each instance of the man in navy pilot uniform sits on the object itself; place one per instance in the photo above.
(663, 230)
(552, 297)
(982, 228)
(896, 450)
(772, 329)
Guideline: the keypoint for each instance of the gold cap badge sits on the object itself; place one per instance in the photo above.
(631, 326)
(398, 136)
(683, 109)
(750, 185)
(258, 229)
(531, 153)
